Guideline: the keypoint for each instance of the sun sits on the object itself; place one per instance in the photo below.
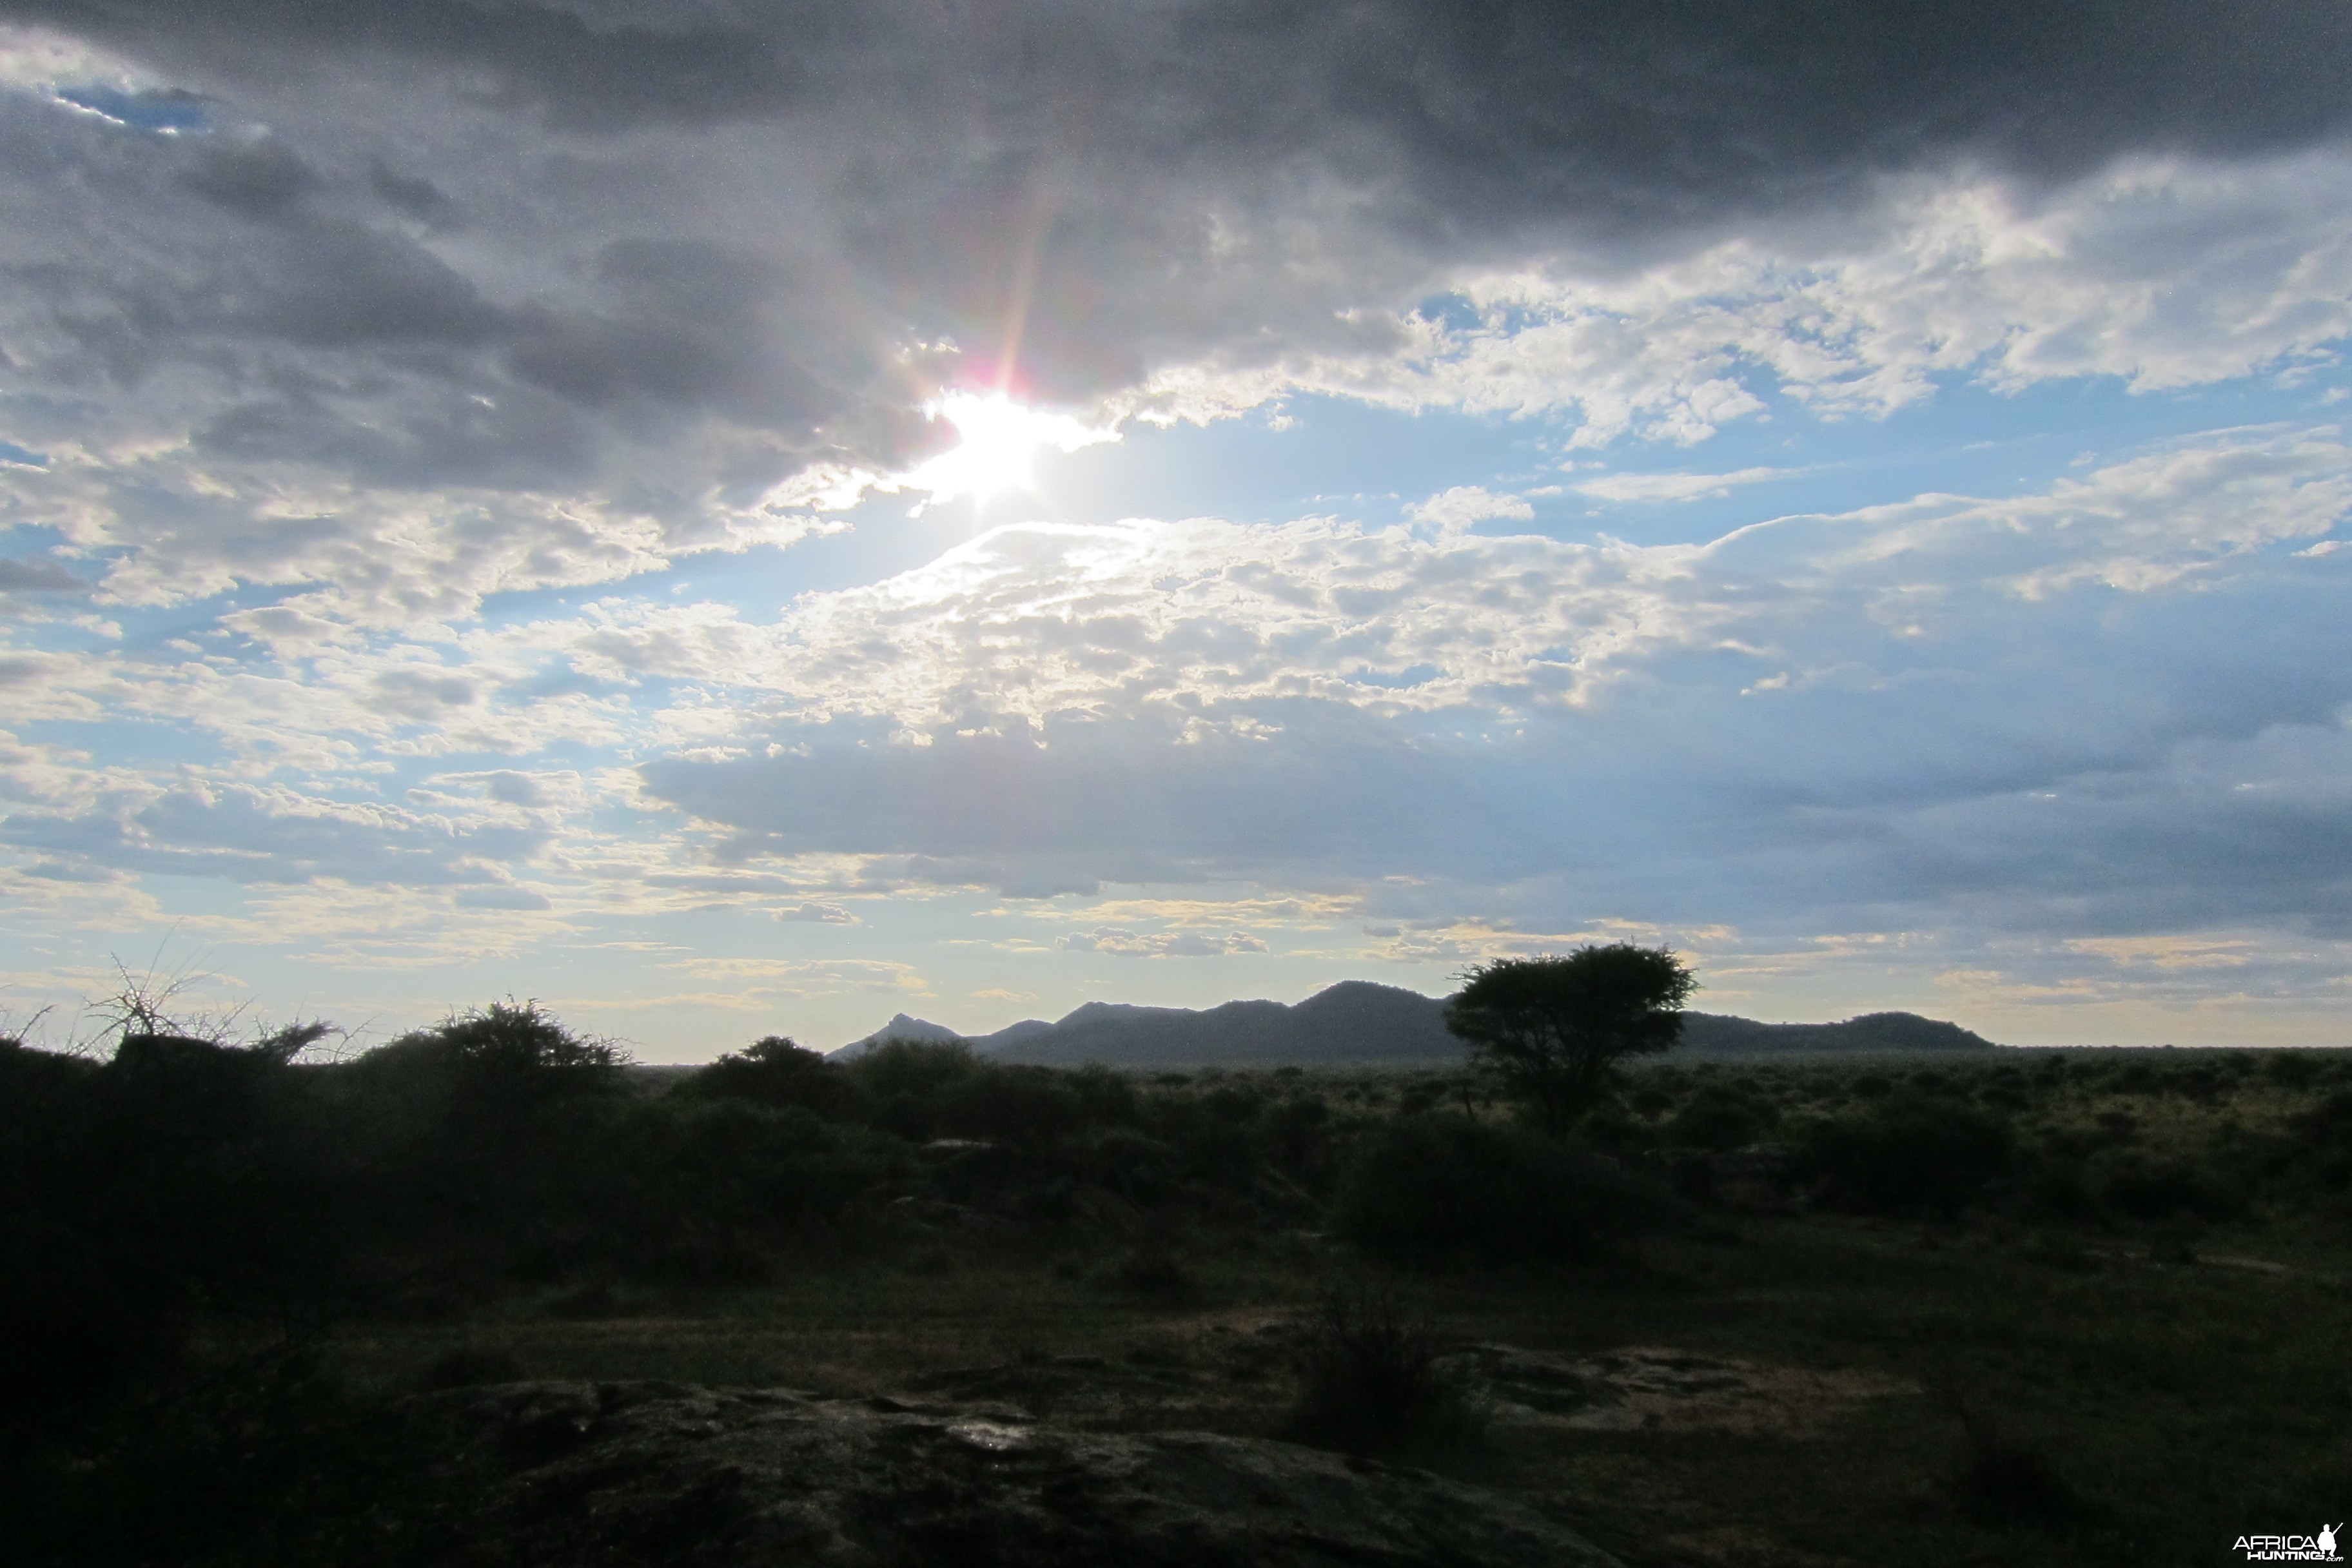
(998, 442)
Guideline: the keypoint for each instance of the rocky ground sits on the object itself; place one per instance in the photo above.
(1052, 1462)
(586, 1475)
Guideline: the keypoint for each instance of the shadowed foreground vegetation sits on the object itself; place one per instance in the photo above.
(2037, 1308)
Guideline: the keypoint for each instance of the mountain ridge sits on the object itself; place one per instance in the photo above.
(1364, 1021)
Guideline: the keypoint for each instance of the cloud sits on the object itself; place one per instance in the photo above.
(1964, 709)
(1465, 505)
(1317, 705)
(337, 341)
(500, 899)
(826, 914)
(1161, 944)
(1675, 487)
(736, 260)
(38, 576)
(274, 835)
(2164, 274)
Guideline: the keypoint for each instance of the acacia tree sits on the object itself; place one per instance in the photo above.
(1552, 1029)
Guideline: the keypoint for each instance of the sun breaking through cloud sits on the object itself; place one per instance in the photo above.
(997, 443)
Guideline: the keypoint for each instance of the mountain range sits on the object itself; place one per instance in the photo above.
(1358, 1021)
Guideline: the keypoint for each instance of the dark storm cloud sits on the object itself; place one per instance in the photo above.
(1483, 109)
(580, 72)
(261, 181)
(686, 324)
(419, 198)
(705, 246)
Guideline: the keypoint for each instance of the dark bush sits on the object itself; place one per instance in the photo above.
(1152, 1268)
(1908, 1154)
(2291, 1070)
(1299, 1136)
(1370, 1382)
(496, 1126)
(2003, 1481)
(473, 1084)
(1106, 1099)
(776, 1072)
(181, 1176)
(471, 1366)
(1024, 1105)
(1718, 1117)
(1137, 1168)
(2148, 1186)
(2326, 1128)
(918, 1070)
(2317, 1150)
(1609, 1129)
(1216, 1135)
(1428, 1188)
(267, 1464)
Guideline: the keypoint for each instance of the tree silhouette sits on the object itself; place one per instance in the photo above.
(1552, 1029)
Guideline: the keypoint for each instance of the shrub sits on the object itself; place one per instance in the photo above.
(777, 1072)
(1909, 1152)
(2291, 1070)
(918, 1069)
(469, 1367)
(1430, 1187)
(1022, 1105)
(2317, 1153)
(692, 1189)
(2145, 1186)
(2003, 1481)
(1298, 1135)
(1370, 1382)
(1140, 1169)
(1719, 1118)
(182, 1175)
(1151, 1267)
(479, 1073)
(1609, 1128)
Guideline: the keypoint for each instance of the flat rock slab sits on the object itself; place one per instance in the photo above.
(623, 1475)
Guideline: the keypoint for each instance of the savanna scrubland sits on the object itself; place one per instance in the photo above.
(2018, 1307)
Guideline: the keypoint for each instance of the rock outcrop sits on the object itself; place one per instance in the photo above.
(664, 1476)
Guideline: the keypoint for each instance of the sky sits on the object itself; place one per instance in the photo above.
(734, 518)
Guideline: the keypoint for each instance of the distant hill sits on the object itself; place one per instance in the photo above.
(903, 1027)
(1718, 1033)
(1358, 1021)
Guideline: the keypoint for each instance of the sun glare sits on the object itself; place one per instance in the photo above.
(999, 443)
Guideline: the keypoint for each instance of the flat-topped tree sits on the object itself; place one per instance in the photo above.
(1552, 1029)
